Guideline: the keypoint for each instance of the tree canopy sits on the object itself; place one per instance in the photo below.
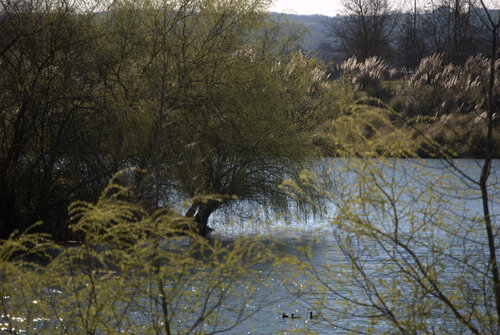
(202, 94)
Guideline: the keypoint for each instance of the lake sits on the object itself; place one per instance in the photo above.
(386, 227)
(437, 208)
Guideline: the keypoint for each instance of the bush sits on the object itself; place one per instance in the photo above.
(135, 272)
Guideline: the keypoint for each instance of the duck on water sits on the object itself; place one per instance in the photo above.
(292, 316)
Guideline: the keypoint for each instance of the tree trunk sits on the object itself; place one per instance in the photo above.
(485, 173)
(201, 213)
(202, 220)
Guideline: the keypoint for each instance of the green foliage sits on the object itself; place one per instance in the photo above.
(48, 84)
(366, 129)
(410, 256)
(211, 97)
(227, 105)
(134, 272)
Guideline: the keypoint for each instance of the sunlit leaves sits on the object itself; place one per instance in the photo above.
(411, 254)
(136, 271)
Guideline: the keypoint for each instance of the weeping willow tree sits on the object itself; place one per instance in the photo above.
(223, 119)
(135, 272)
(206, 90)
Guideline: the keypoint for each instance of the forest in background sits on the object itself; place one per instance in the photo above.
(455, 29)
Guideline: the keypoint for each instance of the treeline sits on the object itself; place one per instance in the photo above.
(431, 71)
(197, 97)
(377, 28)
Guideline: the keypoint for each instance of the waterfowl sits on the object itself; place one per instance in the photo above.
(295, 316)
(311, 316)
(284, 316)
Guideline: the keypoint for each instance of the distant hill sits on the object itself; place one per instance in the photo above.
(317, 41)
(314, 23)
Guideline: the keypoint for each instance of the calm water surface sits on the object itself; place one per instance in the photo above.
(276, 297)
(462, 198)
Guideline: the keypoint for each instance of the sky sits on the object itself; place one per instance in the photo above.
(306, 7)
